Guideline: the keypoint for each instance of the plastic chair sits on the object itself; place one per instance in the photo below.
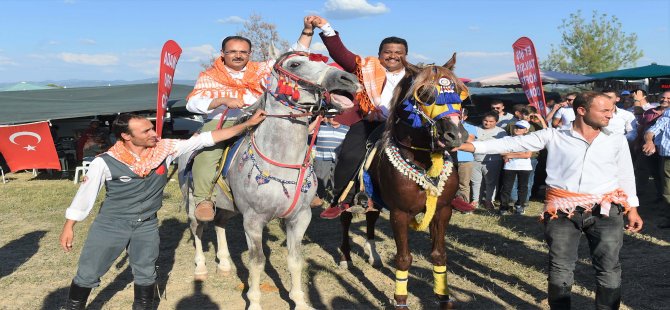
(83, 168)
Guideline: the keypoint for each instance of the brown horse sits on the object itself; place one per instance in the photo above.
(412, 172)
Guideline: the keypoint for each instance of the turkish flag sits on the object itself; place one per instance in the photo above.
(28, 146)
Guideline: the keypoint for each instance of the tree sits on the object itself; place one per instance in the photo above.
(593, 47)
(262, 35)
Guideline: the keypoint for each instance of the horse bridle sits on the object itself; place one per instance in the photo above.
(430, 123)
(321, 94)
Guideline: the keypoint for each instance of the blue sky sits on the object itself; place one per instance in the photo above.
(121, 39)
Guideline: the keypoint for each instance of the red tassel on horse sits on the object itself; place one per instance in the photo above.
(296, 94)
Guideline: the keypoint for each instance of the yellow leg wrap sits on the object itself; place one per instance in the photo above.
(437, 164)
(401, 278)
(431, 203)
(441, 286)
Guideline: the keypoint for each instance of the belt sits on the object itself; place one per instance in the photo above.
(153, 216)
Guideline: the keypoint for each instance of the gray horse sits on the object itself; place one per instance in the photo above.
(271, 176)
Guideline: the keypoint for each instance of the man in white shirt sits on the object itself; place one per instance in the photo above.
(623, 122)
(565, 115)
(591, 185)
(134, 172)
(232, 82)
(379, 77)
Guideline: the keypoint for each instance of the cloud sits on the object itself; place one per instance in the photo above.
(90, 59)
(88, 42)
(318, 47)
(231, 20)
(53, 42)
(419, 57)
(348, 9)
(199, 54)
(6, 61)
(484, 54)
(473, 28)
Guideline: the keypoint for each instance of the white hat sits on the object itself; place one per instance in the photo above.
(522, 124)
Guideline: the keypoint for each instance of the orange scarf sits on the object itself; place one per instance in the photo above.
(149, 159)
(216, 82)
(565, 201)
(372, 75)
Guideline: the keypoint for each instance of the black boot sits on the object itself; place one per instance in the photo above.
(77, 297)
(608, 298)
(144, 297)
(559, 296)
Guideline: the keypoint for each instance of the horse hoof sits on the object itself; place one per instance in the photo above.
(200, 276)
(448, 304)
(223, 272)
(345, 264)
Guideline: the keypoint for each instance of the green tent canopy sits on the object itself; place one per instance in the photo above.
(650, 71)
(50, 104)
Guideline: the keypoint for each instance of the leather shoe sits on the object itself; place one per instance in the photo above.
(461, 205)
(334, 211)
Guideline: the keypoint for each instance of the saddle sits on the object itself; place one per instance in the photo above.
(366, 198)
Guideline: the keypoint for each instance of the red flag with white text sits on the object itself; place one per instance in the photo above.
(28, 146)
(528, 70)
(169, 57)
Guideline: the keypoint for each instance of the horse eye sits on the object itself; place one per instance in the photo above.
(294, 65)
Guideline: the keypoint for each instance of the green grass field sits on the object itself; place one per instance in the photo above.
(494, 262)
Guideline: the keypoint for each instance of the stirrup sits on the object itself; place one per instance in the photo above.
(360, 203)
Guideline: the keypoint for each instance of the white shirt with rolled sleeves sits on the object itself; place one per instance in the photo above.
(572, 163)
(200, 104)
(98, 173)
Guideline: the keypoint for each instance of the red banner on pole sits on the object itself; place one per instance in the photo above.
(528, 70)
(28, 146)
(169, 57)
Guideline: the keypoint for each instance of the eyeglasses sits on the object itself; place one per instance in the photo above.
(569, 99)
(243, 53)
(498, 108)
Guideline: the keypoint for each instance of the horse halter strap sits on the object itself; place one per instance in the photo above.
(288, 83)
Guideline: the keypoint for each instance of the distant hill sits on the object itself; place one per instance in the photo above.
(91, 83)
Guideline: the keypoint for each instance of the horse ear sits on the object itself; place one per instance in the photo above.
(273, 51)
(451, 63)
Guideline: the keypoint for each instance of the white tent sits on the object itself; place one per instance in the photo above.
(511, 79)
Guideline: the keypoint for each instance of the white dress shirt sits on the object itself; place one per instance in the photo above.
(200, 104)
(566, 115)
(622, 123)
(98, 172)
(572, 163)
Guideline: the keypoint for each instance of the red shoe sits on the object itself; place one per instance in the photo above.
(334, 211)
(461, 205)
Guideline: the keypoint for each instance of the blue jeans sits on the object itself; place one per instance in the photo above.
(605, 238)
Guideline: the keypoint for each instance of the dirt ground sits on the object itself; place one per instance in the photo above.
(494, 262)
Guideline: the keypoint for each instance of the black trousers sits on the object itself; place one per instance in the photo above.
(508, 182)
(352, 153)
